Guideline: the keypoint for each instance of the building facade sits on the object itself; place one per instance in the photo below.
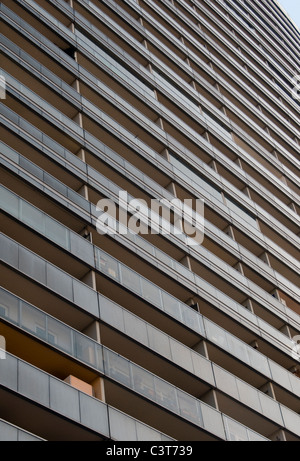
(125, 335)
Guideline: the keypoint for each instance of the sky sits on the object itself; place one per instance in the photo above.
(292, 8)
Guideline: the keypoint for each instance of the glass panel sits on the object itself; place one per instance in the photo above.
(181, 355)
(81, 248)
(212, 421)
(216, 334)
(9, 251)
(57, 232)
(171, 306)
(291, 420)
(9, 306)
(203, 368)
(64, 399)
(117, 367)
(33, 383)
(238, 349)
(235, 431)
(225, 381)
(159, 341)
(25, 437)
(33, 321)
(143, 382)
(191, 318)
(94, 414)
(59, 281)
(151, 292)
(85, 349)
(85, 297)
(32, 265)
(111, 313)
(253, 436)
(280, 375)
(9, 372)
(258, 361)
(146, 433)
(32, 216)
(59, 335)
(136, 328)
(9, 201)
(248, 395)
(189, 408)
(8, 433)
(166, 394)
(131, 280)
(122, 427)
(270, 408)
(108, 265)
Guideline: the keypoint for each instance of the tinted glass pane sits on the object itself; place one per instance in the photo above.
(150, 292)
(32, 217)
(108, 265)
(59, 335)
(235, 431)
(181, 355)
(8, 433)
(135, 328)
(8, 372)
(85, 349)
(146, 433)
(64, 399)
(32, 265)
(33, 321)
(85, 297)
(117, 367)
(9, 201)
(166, 394)
(188, 407)
(111, 313)
(171, 306)
(57, 232)
(9, 251)
(59, 281)
(9, 306)
(33, 383)
(81, 248)
(94, 414)
(212, 420)
(159, 341)
(131, 280)
(122, 427)
(143, 382)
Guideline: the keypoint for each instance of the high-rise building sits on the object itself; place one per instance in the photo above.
(114, 334)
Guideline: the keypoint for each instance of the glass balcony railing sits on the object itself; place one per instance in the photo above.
(12, 433)
(50, 392)
(80, 293)
(113, 365)
(109, 189)
(232, 212)
(109, 120)
(74, 343)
